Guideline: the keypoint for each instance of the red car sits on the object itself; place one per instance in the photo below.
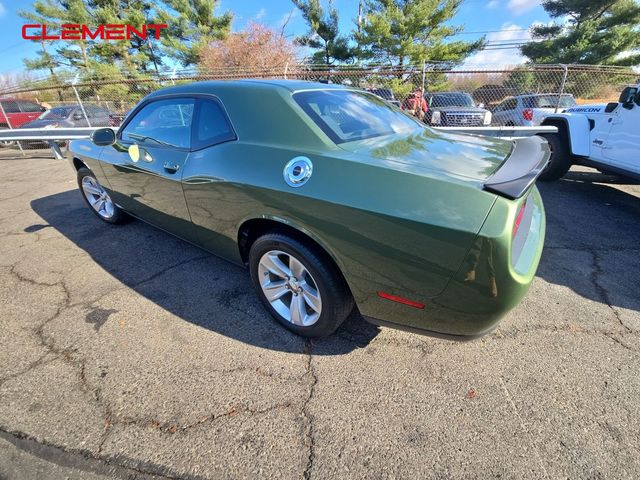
(16, 112)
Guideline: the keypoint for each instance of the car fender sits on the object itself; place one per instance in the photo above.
(299, 227)
(577, 128)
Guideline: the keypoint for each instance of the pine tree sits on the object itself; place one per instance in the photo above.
(401, 32)
(323, 35)
(93, 58)
(595, 32)
(193, 25)
(59, 54)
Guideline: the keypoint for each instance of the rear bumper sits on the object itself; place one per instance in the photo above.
(497, 271)
(493, 278)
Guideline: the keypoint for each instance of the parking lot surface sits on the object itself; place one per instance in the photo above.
(127, 353)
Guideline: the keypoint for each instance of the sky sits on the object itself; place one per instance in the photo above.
(507, 20)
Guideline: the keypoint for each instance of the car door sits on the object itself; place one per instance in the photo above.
(621, 148)
(496, 114)
(144, 167)
(100, 117)
(12, 113)
(29, 111)
(213, 201)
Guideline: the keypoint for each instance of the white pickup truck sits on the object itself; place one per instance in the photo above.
(603, 136)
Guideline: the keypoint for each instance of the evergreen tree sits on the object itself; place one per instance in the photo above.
(93, 58)
(400, 32)
(193, 25)
(596, 32)
(59, 54)
(323, 35)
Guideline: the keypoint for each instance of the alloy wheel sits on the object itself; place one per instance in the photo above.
(98, 197)
(290, 288)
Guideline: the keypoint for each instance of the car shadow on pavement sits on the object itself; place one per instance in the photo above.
(593, 237)
(195, 286)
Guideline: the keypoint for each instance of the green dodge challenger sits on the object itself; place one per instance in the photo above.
(334, 200)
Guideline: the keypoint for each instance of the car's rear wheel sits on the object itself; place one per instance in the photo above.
(560, 160)
(98, 199)
(299, 285)
(6, 144)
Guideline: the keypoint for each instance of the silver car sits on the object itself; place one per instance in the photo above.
(529, 110)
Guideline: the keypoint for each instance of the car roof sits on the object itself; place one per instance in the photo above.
(448, 93)
(290, 85)
(11, 99)
(544, 94)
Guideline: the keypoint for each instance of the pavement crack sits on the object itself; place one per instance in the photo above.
(307, 417)
(523, 425)
(602, 291)
(173, 427)
(169, 268)
(42, 360)
(617, 340)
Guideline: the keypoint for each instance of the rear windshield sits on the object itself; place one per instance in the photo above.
(383, 92)
(57, 112)
(347, 115)
(451, 100)
(549, 101)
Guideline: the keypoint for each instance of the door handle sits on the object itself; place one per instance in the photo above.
(171, 167)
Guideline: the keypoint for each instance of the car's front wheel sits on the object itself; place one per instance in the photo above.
(299, 285)
(98, 199)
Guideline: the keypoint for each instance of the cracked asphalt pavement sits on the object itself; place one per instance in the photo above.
(127, 353)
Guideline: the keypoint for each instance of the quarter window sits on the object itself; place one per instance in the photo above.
(10, 106)
(30, 107)
(212, 126)
(165, 122)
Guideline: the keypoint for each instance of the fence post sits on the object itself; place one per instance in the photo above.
(75, 90)
(11, 127)
(424, 74)
(562, 85)
(286, 70)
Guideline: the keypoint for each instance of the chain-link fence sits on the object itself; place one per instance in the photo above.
(106, 101)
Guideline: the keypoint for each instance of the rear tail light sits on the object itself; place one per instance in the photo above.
(527, 114)
(516, 224)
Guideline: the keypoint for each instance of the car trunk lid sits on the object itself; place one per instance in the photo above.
(459, 156)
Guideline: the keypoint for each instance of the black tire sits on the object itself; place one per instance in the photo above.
(560, 161)
(118, 216)
(7, 144)
(337, 302)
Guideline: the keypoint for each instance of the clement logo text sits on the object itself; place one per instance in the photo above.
(75, 31)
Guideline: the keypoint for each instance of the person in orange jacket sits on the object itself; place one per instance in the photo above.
(416, 104)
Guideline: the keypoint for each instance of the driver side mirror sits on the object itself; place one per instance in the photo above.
(103, 137)
(628, 96)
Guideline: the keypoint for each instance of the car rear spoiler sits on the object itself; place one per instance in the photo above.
(520, 170)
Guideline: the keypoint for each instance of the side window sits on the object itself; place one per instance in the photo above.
(510, 104)
(10, 106)
(212, 126)
(29, 107)
(166, 122)
(95, 111)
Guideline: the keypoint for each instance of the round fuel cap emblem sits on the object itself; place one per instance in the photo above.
(298, 171)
